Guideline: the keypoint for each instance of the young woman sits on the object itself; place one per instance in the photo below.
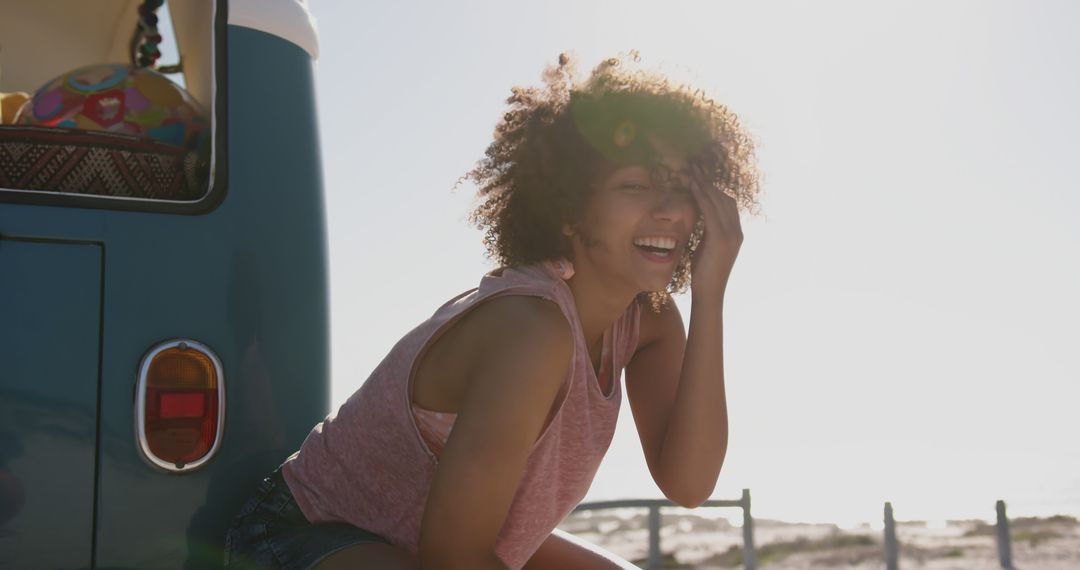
(483, 427)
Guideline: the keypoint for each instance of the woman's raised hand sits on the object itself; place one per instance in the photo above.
(715, 255)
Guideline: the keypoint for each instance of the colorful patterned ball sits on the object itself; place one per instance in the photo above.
(119, 99)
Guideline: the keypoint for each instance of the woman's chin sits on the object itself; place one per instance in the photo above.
(655, 285)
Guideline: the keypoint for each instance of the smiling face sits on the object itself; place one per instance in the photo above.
(636, 224)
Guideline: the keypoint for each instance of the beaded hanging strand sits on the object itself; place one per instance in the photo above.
(146, 39)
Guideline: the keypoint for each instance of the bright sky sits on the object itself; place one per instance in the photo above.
(902, 326)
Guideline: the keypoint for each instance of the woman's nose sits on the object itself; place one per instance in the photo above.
(673, 204)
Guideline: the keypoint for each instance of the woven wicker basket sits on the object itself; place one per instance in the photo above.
(99, 163)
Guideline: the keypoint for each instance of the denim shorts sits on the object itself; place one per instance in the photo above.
(271, 532)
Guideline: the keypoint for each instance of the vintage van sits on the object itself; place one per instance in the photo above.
(163, 309)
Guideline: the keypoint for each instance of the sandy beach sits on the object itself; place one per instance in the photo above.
(693, 541)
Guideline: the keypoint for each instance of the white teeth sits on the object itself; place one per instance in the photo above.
(660, 242)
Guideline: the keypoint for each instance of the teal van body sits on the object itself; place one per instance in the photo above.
(86, 290)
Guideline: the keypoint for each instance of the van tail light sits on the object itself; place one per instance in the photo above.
(179, 405)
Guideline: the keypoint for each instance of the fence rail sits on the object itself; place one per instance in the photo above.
(654, 506)
(892, 545)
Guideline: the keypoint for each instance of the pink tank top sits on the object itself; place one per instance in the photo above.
(372, 463)
(435, 426)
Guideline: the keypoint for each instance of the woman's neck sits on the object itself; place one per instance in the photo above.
(597, 306)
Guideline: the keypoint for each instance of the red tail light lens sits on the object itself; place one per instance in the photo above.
(179, 400)
(177, 405)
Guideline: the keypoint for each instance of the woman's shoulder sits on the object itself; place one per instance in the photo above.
(508, 336)
(507, 318)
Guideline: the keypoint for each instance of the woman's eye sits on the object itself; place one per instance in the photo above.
(633, 186)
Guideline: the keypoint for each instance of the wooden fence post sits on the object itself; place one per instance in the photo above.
(654, 537)
(1004, 543)
(891, 554)
(749, 558)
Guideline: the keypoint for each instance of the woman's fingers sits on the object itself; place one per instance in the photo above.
(705, 205)
(730, 213)
(719, 209)
(727, 206)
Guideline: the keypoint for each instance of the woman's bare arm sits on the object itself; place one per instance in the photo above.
(676, 391)
(676, 382)
(514, 378)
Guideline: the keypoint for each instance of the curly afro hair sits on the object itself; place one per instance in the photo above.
(555, 140)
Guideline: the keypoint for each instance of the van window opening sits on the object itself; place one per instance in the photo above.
(82, 126)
